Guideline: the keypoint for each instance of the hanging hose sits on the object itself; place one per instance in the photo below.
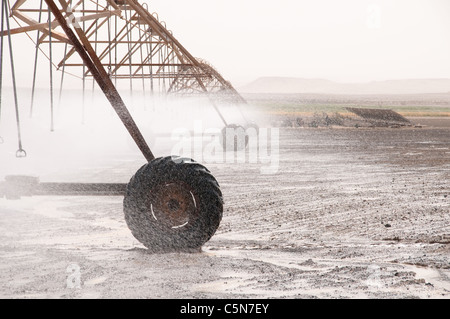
(1, 70)
(115, 50)
(20, 152)
(142, 59)
(109, 44)
(129, 51)
(52, 123)
(83, 108)
(35, 62)
(63, 71)
(95, 46)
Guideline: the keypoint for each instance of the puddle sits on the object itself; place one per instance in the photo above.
(95, 281)
(437, 277)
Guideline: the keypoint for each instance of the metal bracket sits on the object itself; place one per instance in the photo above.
(15, 187)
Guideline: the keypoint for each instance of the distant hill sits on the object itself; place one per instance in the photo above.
(286, 85)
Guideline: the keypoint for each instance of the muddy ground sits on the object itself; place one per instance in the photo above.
(351, 213)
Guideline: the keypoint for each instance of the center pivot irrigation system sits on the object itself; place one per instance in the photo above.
(171, 203)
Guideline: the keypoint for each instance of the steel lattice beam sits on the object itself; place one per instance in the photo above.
(131, 43)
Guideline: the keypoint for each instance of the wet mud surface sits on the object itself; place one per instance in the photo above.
(351, 213)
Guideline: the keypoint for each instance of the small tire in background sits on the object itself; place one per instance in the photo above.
(252, 125)
(234, 138)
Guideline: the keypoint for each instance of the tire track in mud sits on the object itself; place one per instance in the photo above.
(321, 195)
(317, 228)
(359, 200)
(288, 274)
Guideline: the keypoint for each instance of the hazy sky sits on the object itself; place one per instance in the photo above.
(342, 40)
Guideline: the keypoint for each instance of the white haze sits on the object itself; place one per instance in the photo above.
(339, 40)
(336, 40)
(94, 139)
(344, 41)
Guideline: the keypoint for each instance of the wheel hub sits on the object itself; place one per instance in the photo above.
(173, 204)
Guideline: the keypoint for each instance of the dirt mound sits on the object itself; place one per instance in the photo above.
(361, 118)
(380, 117)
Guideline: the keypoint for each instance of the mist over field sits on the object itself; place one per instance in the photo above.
(334, 183)
(86, 135)
(283, 85)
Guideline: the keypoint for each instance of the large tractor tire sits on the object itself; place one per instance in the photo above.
(173, 204)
